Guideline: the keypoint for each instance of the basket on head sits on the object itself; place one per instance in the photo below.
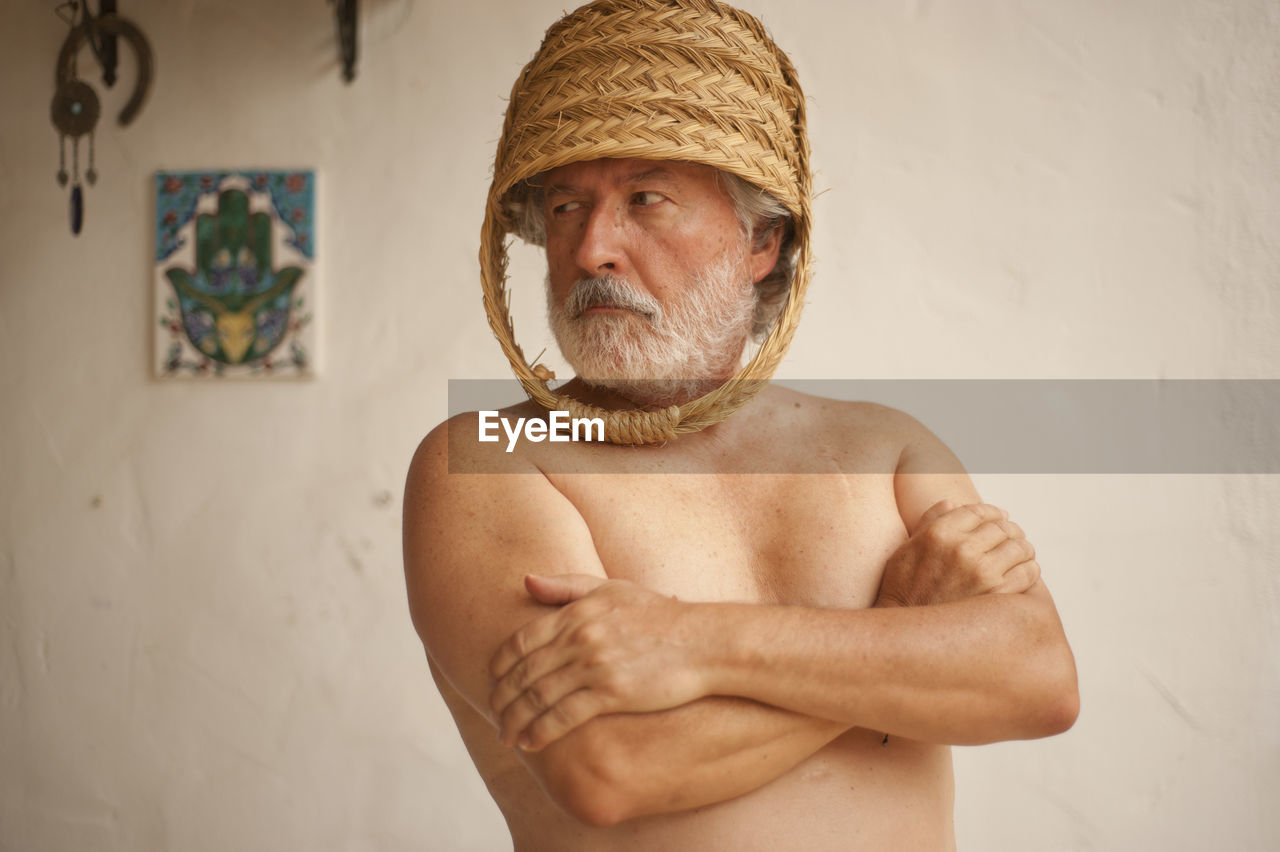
(692, 80)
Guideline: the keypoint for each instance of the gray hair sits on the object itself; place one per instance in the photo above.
(760, 213)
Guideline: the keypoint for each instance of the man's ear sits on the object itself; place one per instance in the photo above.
(764, 252)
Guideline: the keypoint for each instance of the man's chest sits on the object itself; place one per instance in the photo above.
(816, 540)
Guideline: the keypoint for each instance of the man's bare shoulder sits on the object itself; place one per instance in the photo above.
(465, 500)
(454, 447)
(476, 519)
(864, 436)
(849, 414)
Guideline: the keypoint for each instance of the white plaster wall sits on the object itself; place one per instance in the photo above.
(204, 642)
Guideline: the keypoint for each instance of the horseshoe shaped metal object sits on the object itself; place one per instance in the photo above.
(110, 24)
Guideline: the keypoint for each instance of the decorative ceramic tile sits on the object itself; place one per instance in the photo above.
(235, 274)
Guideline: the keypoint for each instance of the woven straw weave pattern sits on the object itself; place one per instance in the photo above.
(692, 80)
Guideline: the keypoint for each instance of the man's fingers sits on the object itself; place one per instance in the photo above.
(524, 642)
(975, 526)
(1011, 553)
(983, 540)
(527, 673)
(935, 511)
(1011, 529)
(561, 588)
(553, 591)
(541, 696)
(969, 517)
(1020, 578)
(992, 534)
(570, 712)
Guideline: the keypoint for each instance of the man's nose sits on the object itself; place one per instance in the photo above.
(602, 248)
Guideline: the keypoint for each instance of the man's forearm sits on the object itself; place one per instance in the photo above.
(622, 766)
(982, 669)
(990, 668)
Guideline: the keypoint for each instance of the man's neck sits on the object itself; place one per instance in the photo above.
(644, 395)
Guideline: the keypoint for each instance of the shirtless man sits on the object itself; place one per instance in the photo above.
(646, 649)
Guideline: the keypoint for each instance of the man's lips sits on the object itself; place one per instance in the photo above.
(603, 308)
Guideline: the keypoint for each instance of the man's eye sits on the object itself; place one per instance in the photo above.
(567, 207)
(646, 199)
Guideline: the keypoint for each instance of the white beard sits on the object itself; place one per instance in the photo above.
(648, 354)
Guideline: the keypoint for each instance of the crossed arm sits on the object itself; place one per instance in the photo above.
(628, 703)
(469, 540)
(966, 672)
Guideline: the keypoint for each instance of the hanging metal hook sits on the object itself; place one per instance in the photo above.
(104, 45)
(347, 14)
(93, 30)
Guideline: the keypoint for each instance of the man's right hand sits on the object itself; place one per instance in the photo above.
(957, 553)
(613, 646)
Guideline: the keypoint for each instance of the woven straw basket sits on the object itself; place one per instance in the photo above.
(692, 80)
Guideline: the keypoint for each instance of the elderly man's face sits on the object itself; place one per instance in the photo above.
(650, 272)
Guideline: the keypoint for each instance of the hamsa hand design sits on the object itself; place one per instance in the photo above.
(235, 306)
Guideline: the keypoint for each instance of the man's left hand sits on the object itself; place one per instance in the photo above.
(955, 553)
(612, 647)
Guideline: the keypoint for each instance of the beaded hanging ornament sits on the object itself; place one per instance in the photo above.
(692, 80)
(75, 113)
(75, 108)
